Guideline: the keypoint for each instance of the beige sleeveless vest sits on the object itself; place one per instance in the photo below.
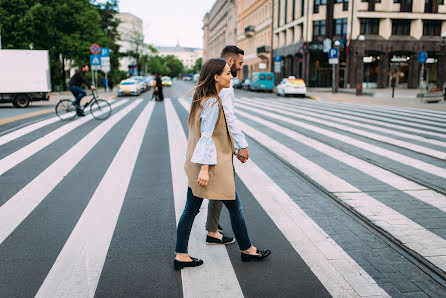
(221, 184)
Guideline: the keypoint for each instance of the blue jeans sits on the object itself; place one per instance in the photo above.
(78, 92)
(192, 208)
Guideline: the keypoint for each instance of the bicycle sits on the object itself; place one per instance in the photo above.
(99, 108)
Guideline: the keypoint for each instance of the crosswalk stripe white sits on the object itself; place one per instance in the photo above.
(341, 118)
(409, 161)
(426, 243)
(402, 184)
(78, 267)
(368, 116)
(22, 154)
(17, 208)
(370, 135)
(339, 274)
(216, 277)
(27, 129)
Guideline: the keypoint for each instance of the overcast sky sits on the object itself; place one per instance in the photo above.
(166, 21)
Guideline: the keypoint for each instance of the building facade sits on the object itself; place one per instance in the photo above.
(254, 35)
(379, 41)
(220, 28)
(131, 38)
(188, 56)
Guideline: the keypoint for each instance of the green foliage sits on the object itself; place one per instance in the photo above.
(175, 66)
(198, 64)
(166, 66)
(66, 28)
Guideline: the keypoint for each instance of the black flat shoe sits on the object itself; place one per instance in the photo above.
(178, 265)
(225, 240)
(261, 254)
(220, 229)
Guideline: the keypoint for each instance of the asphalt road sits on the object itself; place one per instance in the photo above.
(350, 198)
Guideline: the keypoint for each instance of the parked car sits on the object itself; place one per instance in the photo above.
(246, 84)
(187, 78)
(150, 80)
(141, 81)
(291, 86)
(196, 77)
(129, 87)
(167, 81)
(262, 81)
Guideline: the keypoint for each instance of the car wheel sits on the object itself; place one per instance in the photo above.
(21, 101)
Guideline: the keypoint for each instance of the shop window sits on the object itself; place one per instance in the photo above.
(369, 26)
(317, 3)
(319, 28)
(340, 26)
(401, 27)
(431, 28)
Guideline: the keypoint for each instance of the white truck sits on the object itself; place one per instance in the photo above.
(24, 76)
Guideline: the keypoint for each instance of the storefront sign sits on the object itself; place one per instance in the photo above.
(262, 65)
(367, 59)
(431, 60)
(399, 59)
(316, 47)
(333, 60)
(327, 45)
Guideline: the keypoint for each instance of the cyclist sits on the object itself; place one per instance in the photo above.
(75, 87)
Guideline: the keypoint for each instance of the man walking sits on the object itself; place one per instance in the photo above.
(75, 87)
(234, 57)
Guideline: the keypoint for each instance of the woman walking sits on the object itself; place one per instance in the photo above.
(209, 164)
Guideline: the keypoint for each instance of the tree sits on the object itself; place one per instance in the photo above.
(174, 64)
(197, 66)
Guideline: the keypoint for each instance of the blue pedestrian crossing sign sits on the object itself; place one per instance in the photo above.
(105, 52)
(422, 57)
(277, 58)
(95, 59)
(333, 53)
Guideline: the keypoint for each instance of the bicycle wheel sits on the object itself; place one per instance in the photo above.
(65, 109)
(100, 109)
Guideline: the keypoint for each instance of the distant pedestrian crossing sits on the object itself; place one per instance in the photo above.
(101, 228)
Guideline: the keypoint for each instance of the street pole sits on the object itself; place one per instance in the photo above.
(106, 80)
(333, 79)
(0, 37)
(421, 77)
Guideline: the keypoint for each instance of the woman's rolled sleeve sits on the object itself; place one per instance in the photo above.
(205, 152)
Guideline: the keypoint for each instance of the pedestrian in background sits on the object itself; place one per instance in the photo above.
(104, 84)
(159, 86)
(110, 84)
(209, 164)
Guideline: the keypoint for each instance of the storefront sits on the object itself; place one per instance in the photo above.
(399, 70)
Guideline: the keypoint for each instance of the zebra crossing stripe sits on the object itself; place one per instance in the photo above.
(22, 154)
(78, 267)
(409, 161)
(424, 242)
(17, 208)
(336, 270)
(216, 277)
(370, 135)
(339, 118)
(27, 129)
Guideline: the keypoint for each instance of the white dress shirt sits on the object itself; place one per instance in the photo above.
(228, 100)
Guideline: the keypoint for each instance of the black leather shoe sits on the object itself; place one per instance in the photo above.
(80, 113)
(178, 265)
(225, 240)
(261, 254)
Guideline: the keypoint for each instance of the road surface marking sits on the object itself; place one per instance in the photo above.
(25, 116)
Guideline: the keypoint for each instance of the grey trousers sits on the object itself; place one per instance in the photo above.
(214, 210)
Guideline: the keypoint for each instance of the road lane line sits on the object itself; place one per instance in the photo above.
(78, 267)
(25, 116)
(216, 277)
(335, 269)
(357, 122)
(350, 129)
(17, 208)
(24, 153)
(409, 161)
(421, 240)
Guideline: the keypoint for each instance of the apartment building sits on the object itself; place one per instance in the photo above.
(254, 35)
(188, 56)
(131, 38)
(379, 41)
(220, 28)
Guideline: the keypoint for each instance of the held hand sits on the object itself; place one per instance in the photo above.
(243, 155)
(92, 87)
(203, 176)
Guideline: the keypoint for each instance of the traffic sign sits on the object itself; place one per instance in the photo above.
(105, 68)
(277, 58)
(105, 61)
(326, 45)
(333, 60)
(95, 60)
(95, 67)
(333, 53)
(105, 52)
(422, 57)
(95, 49)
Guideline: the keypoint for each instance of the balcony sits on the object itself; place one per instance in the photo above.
(249, 31)
(264, 51)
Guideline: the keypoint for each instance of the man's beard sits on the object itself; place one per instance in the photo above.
(234, 70)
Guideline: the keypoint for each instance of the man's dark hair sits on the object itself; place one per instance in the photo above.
(83, 65)
(231, 51)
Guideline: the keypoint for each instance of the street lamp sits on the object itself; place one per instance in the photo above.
(360, 66)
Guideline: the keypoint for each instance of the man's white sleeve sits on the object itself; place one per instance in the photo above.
(228, 99)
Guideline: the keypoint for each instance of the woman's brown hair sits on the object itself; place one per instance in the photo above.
(206, 85)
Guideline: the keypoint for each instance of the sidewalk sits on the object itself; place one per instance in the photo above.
(403, 97)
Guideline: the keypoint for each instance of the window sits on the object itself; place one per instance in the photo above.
(317, 3)
(319, 28)
(340, 26)
(401, 27)
(286, 12)
(344, 4)
(369, 26)
(430, 6)
(302, 8)
(294, 9)
(431, 28)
